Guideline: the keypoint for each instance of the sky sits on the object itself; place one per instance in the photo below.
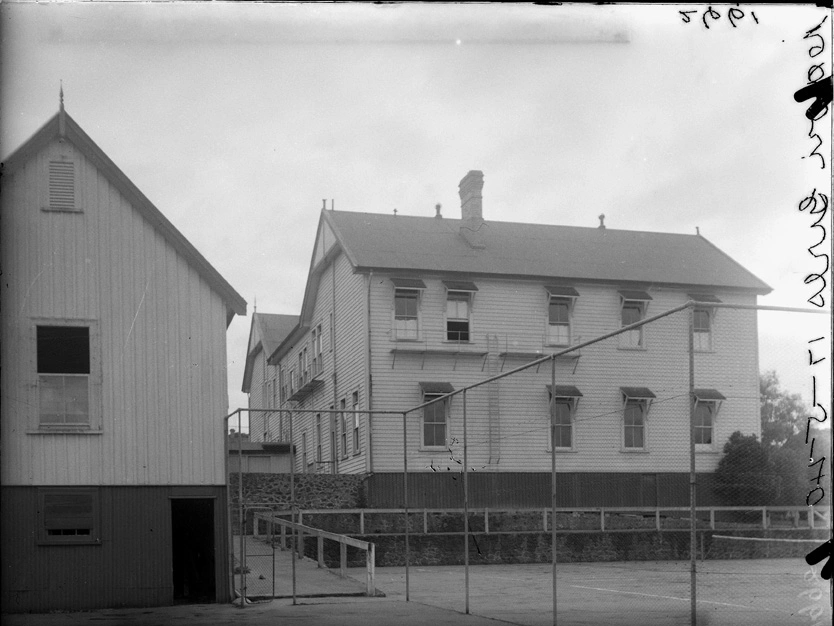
(237, 120)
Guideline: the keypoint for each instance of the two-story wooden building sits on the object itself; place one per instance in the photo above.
(401, 309)
(114, 389)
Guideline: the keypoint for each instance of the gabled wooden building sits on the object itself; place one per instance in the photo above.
(114, 389)
(401, 309)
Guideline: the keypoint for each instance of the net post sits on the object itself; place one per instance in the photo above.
(552, 482)
(241, 511)
(294, 509)
(692, 486)
(465, 510)
(405, 502)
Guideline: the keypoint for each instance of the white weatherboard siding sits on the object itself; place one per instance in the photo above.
(350, 303)
(514, 315)
(161, 338)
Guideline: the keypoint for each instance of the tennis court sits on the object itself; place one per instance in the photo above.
(761, 592)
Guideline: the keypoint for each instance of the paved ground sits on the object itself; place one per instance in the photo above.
(772, 592)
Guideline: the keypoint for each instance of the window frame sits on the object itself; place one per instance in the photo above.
(427, 397)
(94, 377)
(710, 398)
(414, 293)
(343, 435)
(94, 535)
(304, 452)
(564, 395)
(709, 313)
(458, 295)
(630, 300)
(319, 445)
(644, 402)
(357, 447)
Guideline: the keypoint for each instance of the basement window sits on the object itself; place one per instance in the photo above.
(68, 516)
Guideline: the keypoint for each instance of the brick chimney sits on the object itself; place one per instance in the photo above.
(470, 188)
(471, 206)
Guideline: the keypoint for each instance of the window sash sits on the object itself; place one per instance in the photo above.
(702, 330)
(355, 422)
(634, 424)
(558, 322)
(406, 305)
(562, 422)
(434, 423)
(704, 422)
(318, 438)
(343, 426)
(64, 399)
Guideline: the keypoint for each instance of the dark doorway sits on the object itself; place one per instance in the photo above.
(192, 525)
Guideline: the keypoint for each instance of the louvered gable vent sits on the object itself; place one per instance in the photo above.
(62, 186)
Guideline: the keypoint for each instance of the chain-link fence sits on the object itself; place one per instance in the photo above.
(646, 452)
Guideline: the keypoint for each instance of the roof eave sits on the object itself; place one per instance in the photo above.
(364, 269)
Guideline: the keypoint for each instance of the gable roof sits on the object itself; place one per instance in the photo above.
(266, 333)
(428, 244)
(62, 126)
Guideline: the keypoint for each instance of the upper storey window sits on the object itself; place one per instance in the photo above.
(63, 363)
(459, 296)
(703, 318)
(406, 323)
(559, 313)
(633, 308)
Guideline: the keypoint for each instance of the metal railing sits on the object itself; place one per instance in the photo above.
(816, 518)
(343, 540)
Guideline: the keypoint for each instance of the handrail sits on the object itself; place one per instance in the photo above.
(343, 540)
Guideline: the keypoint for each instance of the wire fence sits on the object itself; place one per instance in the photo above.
(652, 442)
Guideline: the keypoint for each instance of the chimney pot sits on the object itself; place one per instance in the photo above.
(602, 220)
(470, 189)
(437, 208)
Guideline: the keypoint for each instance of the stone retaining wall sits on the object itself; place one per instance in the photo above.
(312, 491)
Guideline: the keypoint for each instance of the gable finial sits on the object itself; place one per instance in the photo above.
(62, 116)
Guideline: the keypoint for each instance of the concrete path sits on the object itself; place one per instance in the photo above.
(773, 592)
(310, 580)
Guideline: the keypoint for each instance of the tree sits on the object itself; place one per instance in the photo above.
(784, 415)
(746, 474)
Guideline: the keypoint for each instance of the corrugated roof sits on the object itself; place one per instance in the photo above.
(427, 244)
